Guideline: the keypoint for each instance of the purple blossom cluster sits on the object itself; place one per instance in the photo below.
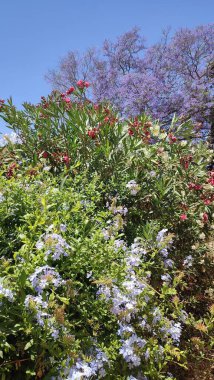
(133, 187)
(122, 210)
(161, 244)
(1, 197)
(188, 261)
(91, 369)
(5, 292)
(40, 309)
(37, 305)
(124, 300)
(160, 237)
(43, 277)
(55, 243)
(128, 350)
(113, 227)
(175, 331)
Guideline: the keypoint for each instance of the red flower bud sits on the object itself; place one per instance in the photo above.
(205, 217)
(70, 90)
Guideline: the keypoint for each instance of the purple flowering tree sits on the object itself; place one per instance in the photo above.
(174, 76)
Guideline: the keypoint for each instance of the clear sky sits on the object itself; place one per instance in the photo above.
(35, 34)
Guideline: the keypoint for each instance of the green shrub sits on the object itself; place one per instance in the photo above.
(103, 243)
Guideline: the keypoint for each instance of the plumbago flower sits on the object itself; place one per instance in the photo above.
(135, 297)
(5, 292)
(41, 311)
(94, 368)
(122, 210)
(55, 244)
(113, 227)
(37, 305)
(1, 197)
(44, 277)
(133, 187)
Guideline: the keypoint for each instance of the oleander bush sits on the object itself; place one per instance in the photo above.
(105, 244)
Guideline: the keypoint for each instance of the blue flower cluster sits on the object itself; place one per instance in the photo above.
(133, 187)
(45, 276)
(55, 244)
(126, 303)
(5, 292)
(85, 370)
(41, 280)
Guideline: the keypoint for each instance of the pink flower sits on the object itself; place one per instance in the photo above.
(92, 134)
(67, 100)
(81, 83)
(66, 160)
(207, 202)
(70, 90)
(183, 217)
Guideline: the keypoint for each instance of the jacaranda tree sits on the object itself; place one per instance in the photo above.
(171, 77)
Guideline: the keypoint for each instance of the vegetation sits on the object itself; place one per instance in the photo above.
(105, 244)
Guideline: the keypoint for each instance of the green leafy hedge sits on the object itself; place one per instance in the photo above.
(105, 235)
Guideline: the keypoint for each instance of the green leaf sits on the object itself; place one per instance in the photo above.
(28, 345)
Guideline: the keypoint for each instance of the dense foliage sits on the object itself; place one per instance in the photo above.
(105, 239)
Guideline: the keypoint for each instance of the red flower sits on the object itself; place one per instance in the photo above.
(183, 217)
(211, 179)
(45, 154)
(66, 160)
(207, 202)
(70, 90)
(96, 107)
(198, 187)
(191, 186)
(205, 217)
(130, 132)
(92, 133)
(1, 103)
(81, 83)
(11, 169)
(195, 186)
(172, 138)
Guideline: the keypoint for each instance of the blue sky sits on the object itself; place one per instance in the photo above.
(35, 34)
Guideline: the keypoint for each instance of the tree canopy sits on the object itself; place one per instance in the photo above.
(173, 76)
